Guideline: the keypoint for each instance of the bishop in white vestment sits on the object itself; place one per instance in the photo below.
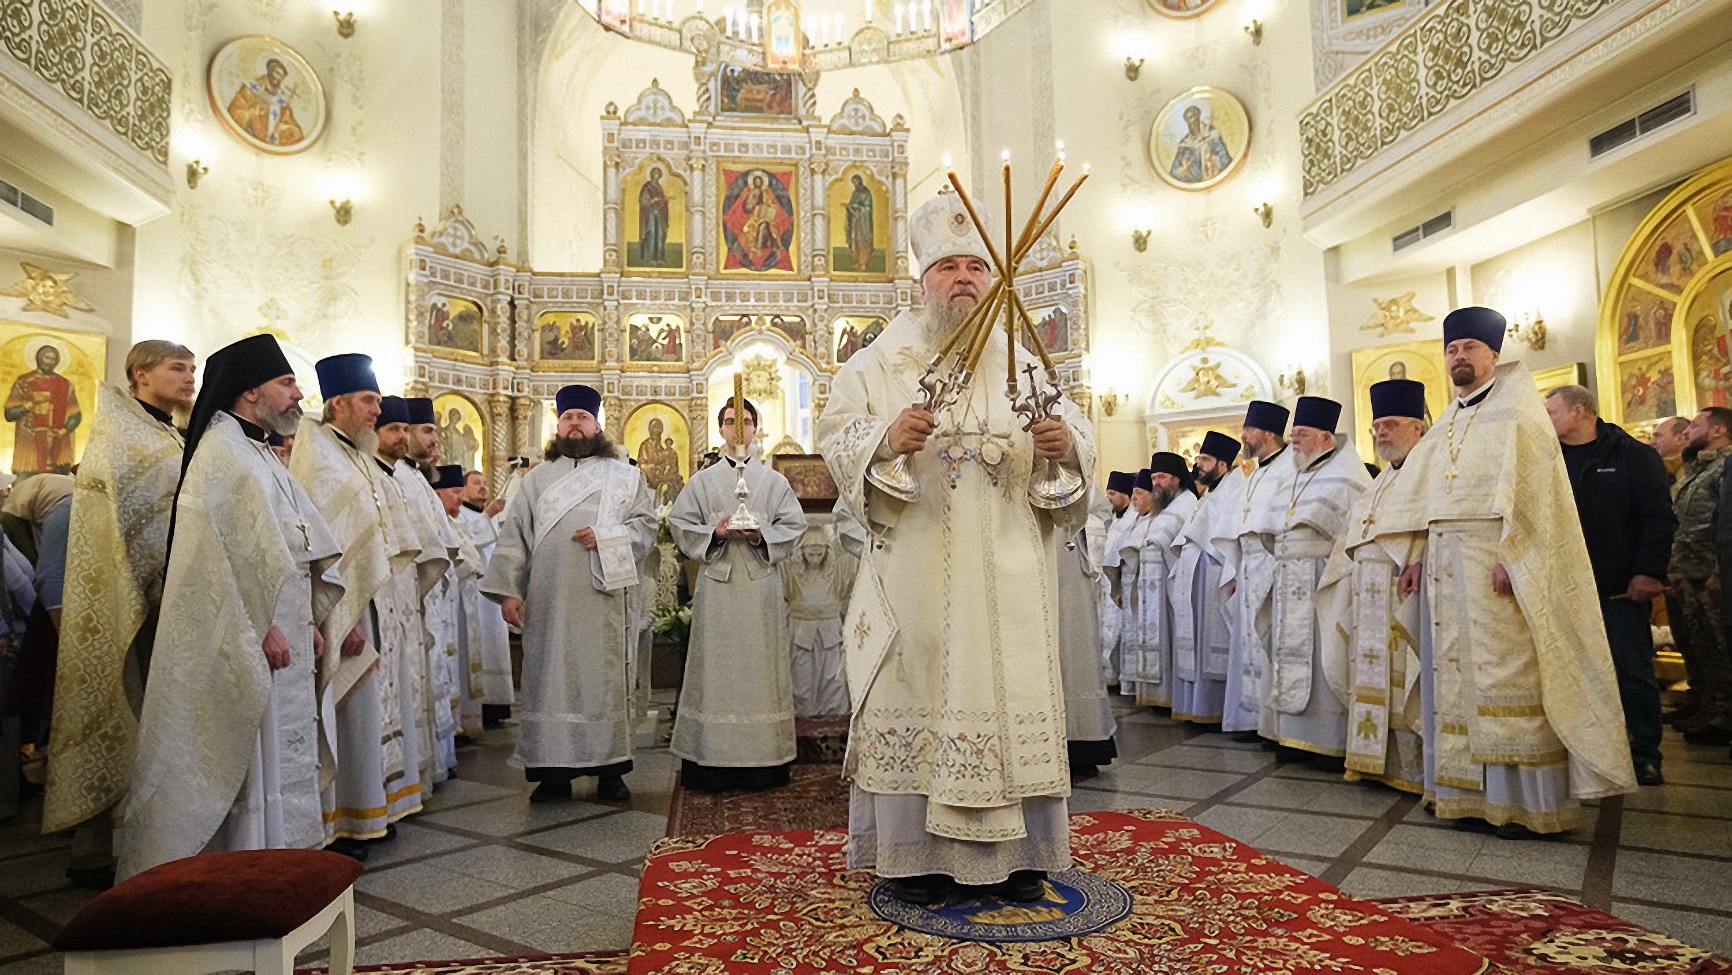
(1248, 564)
(575, 532)
(116, 546)
(957, 749)
(1200, 634)
(229, 746)
(1518, 693)
(1305, 690)
(735, 725)
(1369, 621)
(1147, 558)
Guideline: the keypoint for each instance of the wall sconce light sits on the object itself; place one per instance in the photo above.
(1133, 68)
(1254, 30)
(1110, 401)
(1292, 379)
(345, 23)
(344, 212)
(195, 171)
(1530, 331)
(1140, 240)
(1265, 213)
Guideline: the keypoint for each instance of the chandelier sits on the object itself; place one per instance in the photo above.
(804, 35)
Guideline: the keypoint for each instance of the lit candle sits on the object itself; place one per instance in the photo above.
(899, 11)
(739, 406)
(948, 167)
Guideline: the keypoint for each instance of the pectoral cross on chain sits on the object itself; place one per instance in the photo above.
(306, 539)
(1449, 477)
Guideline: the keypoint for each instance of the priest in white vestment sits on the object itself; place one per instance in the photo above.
(229, 747)
(1146, 555)
(116, 547)
(1200, 634)
(1518, 693)
(1371, 624)
(465, 580)
(816, 583)
(1118, 517)
(1305, 690)
(575, 532)
(491, 635)
(957, 749)
(441, 703)
(734, 728)
(375, 781)
(1248, 564)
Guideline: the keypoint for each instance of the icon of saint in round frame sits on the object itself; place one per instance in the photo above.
(267, 95)
(1200, 139)
(1183, 8)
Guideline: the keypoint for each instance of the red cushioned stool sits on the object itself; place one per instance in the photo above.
(248, 909)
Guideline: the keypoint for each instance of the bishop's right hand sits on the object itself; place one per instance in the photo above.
(910, 430)
(276, 648)
(512, 609)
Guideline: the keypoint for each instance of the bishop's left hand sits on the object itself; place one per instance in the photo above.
(1051, 439)
(1500, 583)
(1644, 588)
(584, 537)
(354, 642)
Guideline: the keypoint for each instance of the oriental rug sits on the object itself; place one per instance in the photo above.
(784, 902)
(1074, 903)
(814, 798)
(581, 963)
(1536, 932)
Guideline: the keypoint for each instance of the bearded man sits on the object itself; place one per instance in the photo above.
(115, 553)
(1200, 634)
(1147, 557)
(1119, 518)
(229, 747)
(952, 631)
(1516, 680)
(442, 702)
(492, 637)
(1364, 619)
(1304, 694)
(1247, 564)
(576, 530)
(376, 782)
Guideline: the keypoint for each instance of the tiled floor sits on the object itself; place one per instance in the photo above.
(482, 872)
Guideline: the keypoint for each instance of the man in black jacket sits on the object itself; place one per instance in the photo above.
(1626, 511)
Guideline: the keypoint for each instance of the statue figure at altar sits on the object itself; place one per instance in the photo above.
(43, 407)
(652, 210)
(861, 243)
(659, 461)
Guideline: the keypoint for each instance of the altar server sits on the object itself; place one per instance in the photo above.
(574, 534)
(1200, 635)
(1519, 695)
(1148, 558)
(735, 725)
(1363, 618)
(117, 544)
(1248, 564)
(1304, 695)
(229, 745)
(377, 780)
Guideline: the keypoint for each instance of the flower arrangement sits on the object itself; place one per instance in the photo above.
(673, 622)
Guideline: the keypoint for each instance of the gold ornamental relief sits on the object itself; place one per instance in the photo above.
(46, 291)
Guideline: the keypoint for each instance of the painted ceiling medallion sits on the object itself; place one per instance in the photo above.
(1182, 8)
(1200, 139)
(45, 291)
(266, 95)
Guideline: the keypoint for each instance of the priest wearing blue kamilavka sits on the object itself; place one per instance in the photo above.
(1118, 519)
(1518, 693)
(735, 725)
(1200, 635)
(1305, 691)
(1248, 564)
(573, 536)
(229, 745)
(1147, 558)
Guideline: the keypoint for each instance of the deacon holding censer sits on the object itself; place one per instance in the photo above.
(957, 746)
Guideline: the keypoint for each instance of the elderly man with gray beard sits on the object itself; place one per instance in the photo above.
(957, 752)
(1364, 618)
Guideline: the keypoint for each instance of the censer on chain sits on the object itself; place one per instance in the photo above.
(742, 518)
(951, 371)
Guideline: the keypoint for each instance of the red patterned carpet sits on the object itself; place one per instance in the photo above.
(763, 903)
(1537, 932)
(814, 798)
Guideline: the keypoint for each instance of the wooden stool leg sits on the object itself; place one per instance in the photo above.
(343, 937)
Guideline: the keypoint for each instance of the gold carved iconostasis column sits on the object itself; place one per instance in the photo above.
(748, 237)
(1662, 347)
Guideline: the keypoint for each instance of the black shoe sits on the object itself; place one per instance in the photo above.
(1648, 773)
(353, 849)
(923, 891)
(1023, 887)
(390, 834)
(494, 715)
(1679, 716)
(551, 791)
(612, 788)
(1080, 772)
(1247, 738)
(1708, 736)
(91, 878)
(1516, 831)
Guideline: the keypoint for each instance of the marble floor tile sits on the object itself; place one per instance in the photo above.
(1312, 834)
(1699, 930)
(511, 868)
(606, 894)
(1371, 883)
(1165, 781)
(1443, 850)
(428, 888)
(1538, 863)
(14, 940)
(1224, 759)
(1670, 879)
(413, 841)
(1677, 834)
(515, 814)
(623, 837)
(419, 945)
(1335, 796)
(553, 925)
